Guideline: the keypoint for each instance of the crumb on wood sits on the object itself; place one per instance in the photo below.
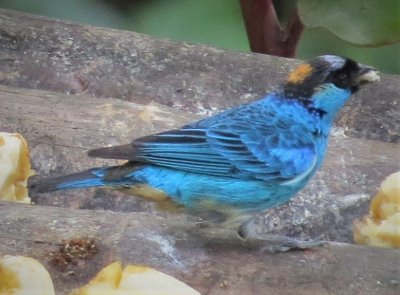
(71, 251)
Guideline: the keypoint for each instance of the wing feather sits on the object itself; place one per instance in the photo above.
(226, 145)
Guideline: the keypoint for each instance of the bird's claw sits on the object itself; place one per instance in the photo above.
(287, 244)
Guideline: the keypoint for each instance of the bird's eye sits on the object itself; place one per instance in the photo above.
(341, 80)
(342, 77)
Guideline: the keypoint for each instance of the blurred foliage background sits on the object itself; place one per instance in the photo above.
(217, 23)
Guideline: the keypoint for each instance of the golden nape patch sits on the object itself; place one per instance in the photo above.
(300, 73)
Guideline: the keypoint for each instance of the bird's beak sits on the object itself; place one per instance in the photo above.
(366, 75)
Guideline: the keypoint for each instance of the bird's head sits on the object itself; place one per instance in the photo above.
(326, 82)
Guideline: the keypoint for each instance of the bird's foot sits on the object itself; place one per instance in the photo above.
(276, 243)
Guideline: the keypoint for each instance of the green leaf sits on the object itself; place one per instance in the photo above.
(359, 22)
(217, 23)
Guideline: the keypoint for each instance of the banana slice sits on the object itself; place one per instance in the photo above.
(21, 275)
(133, 280)
(15, 168)
(381, 227)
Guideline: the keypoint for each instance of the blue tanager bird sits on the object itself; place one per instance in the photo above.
(241, 161)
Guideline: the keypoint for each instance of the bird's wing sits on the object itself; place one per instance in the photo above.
(226, 150)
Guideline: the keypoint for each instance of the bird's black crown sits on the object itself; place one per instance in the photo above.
(308, 77)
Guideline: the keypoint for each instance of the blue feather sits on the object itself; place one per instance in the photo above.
(245, 159)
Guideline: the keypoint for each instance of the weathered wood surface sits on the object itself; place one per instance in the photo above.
(212, 265)
(96, 63)
(60, 129)
(48, 54)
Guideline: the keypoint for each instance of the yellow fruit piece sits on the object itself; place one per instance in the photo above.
(382, 226)
(15, 168)
(134, 280)
(24, 276)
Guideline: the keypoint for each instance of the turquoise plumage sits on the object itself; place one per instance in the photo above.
(242, 160)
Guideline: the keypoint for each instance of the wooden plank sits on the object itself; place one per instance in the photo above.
(98, 63)
(61, 128)
(61, 56)
(213, 264)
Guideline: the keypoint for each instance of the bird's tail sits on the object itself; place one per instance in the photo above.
(102, 176)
